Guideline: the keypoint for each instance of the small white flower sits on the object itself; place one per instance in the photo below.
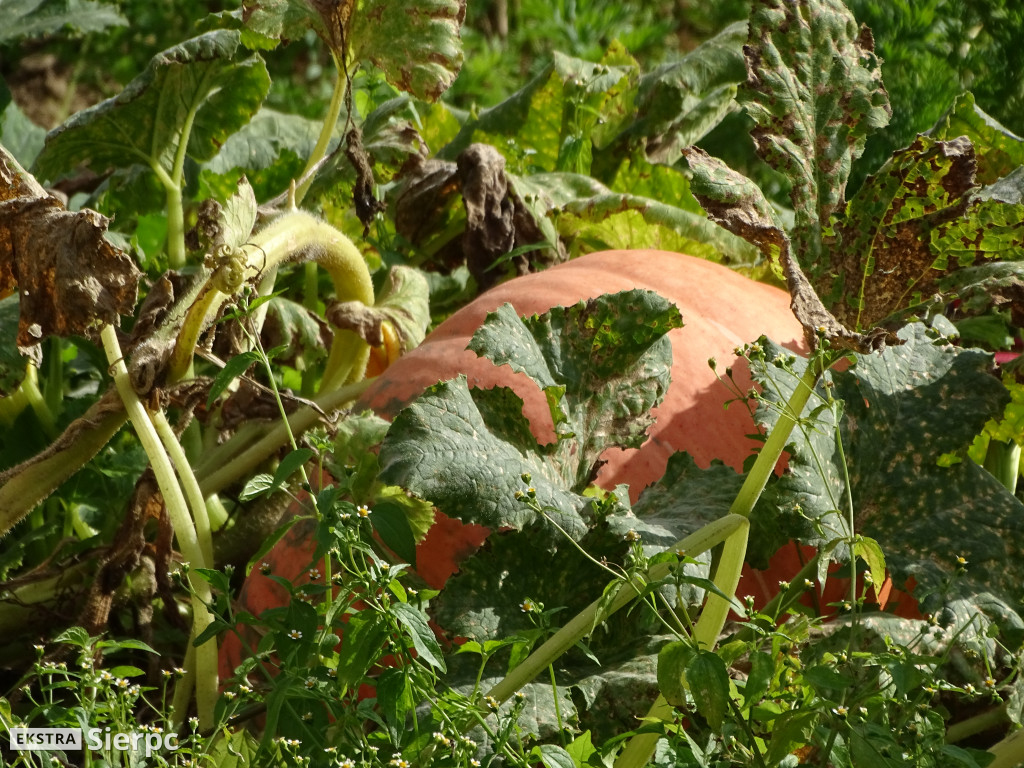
(363, 511)
(295, 634)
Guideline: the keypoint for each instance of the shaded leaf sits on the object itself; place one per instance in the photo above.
(69, 278)
(234, 368)
(290, 464)
(672, 661)
(553, 756)
(391, 522)
(34, 18)
(677, 103)
(210, 80)
(708, 681)
(903, 409)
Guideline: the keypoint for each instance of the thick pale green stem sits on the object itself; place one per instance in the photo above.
(326, 130)
(177, 511)
(222, 468)
(196, 502)
(1009, 752)
(640, 748)
(771, 451)
(175, 217)
(708, 537)
(26, 485)
(1003, 461)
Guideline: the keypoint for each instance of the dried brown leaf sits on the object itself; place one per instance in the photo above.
(69, 277)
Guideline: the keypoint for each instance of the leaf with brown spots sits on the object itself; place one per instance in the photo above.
(916, 221)
(70, 279)
(814, 89)
(416, 43)
(902, 409)
(999, 150)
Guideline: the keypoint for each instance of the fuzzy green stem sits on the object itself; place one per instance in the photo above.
(181, 522)
(36, 401)
(289, 236)
(175, 217)
(26, 485)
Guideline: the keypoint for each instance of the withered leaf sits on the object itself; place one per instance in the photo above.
(737, 204)
(70, 279)
(404, 302)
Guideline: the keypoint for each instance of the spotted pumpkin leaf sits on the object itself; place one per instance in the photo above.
(602, 363)
(917, 220)
(903, 409)
(814, 90)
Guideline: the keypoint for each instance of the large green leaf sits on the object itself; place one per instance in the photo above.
(603, 364)
(33, 18)
(662, 213)
(677, 103)
(199, 92)
(259, 144)
(18, 135)
(904, 408)
(416, 43)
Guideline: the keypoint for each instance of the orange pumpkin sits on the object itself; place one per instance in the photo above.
(721, 310)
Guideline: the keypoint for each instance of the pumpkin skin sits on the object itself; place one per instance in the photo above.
(721, 310)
